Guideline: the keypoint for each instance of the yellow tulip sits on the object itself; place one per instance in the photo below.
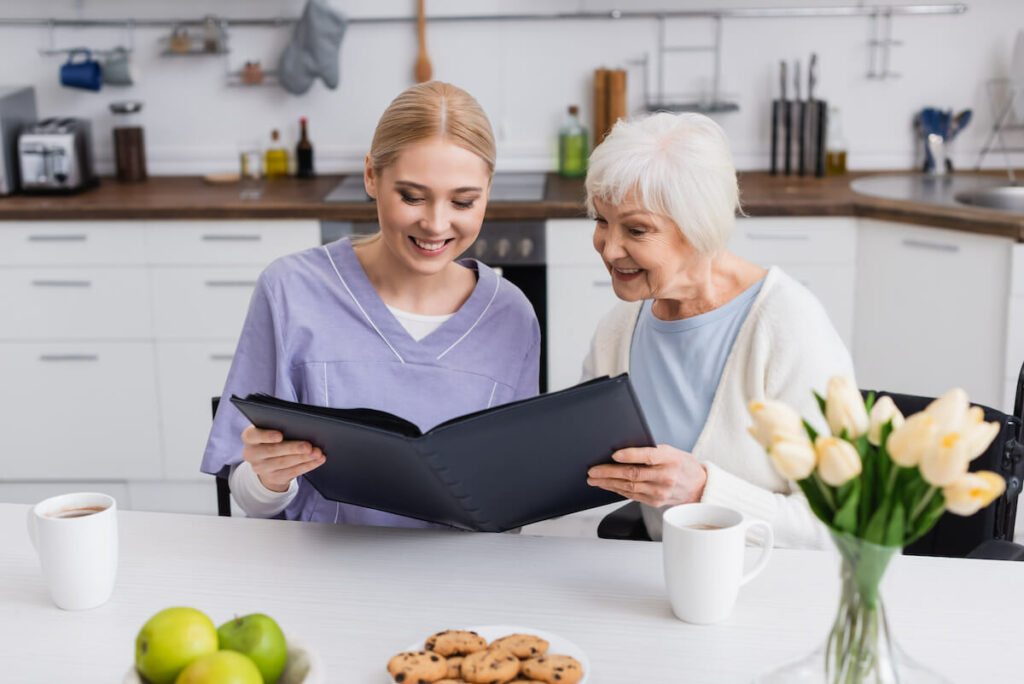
(978, 436)
(908, 443)
(949, 410)
(946, 461)
(772, 418)
(793, 456)
(838, 460)
(971, 492)
(844, 408)
(881, 413)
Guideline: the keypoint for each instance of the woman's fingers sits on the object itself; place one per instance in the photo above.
(288, 474)
(253, 435)
(644, 492)
(633, 473)
(282, 463)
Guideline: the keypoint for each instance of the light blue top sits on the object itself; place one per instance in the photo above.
(675, 366)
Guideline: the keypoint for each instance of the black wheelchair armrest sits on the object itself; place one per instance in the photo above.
(998, 549)
(625, 522)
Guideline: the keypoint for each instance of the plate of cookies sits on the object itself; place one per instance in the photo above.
(494, 654)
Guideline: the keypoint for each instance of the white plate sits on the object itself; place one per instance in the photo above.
(558, 644)
(303, 667)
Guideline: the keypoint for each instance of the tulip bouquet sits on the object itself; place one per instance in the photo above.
(879, 481)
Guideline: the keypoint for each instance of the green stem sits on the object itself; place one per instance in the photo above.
(921, 505)
(892, 479)
(826, 492)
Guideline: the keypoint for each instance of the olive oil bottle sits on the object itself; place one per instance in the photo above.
(275, 159)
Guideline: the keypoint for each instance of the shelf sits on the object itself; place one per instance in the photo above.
(270, 78)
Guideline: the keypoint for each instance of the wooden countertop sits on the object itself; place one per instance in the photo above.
(186, 197)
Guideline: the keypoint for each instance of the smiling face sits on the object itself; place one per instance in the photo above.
(430, 204)
(645, 253)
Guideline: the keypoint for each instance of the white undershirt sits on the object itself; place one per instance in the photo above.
(259, 502)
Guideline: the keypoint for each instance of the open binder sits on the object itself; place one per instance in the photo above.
(488, 471)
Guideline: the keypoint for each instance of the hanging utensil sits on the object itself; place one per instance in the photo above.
(423, 69)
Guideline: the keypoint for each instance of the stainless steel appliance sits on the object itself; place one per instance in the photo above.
(514, 248)
(56, 156)
(17, 111)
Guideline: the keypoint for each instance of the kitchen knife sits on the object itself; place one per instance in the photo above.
(786, 123)
(778, 112)
(801, 121)
(813, 158)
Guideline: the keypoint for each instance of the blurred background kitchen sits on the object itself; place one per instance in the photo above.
(122, 300)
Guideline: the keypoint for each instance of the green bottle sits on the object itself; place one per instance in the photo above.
(572, 146)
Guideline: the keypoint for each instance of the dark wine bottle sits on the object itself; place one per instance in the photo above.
(304, 154)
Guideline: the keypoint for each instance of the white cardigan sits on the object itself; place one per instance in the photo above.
(786, 347)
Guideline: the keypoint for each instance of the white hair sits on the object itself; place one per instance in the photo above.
(679, 165)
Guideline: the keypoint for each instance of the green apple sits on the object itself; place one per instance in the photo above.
(260, 638)
(170, 640)
(222, 667)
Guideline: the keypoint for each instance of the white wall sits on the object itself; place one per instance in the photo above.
(524, 74)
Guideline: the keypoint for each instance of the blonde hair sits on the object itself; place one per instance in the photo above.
(432, 110)
(679, 165)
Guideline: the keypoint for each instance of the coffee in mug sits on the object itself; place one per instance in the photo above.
(703, 547)
(75, 537)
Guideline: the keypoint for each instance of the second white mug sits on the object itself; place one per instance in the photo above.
(75, 537)
(703, 549)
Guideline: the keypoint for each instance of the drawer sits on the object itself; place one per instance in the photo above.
(199, 498)
(768, 241)
(227, 242)
(75, 303)
(74, 243)
(201, 303)
(80, 410)
(190, 373)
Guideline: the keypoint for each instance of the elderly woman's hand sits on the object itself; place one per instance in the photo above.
(657, 476)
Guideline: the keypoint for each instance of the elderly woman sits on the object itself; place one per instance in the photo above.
(701, 331)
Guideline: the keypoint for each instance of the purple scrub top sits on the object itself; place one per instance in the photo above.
(317, 332)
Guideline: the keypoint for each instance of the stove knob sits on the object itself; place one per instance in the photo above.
(525, 247)
(480, 248)
(504, 246)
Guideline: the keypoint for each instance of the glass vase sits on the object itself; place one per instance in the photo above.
(860, 649)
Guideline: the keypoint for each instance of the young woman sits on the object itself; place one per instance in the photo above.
(392, 323)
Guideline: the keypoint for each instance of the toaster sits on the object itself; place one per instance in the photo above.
(55, 156)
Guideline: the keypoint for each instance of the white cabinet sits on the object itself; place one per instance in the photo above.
(819, 252)
(579, 293)
(931, 311)
(114, 336)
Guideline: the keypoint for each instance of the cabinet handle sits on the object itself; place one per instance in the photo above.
(221, 237)
(602, 283)
(62, 283)
(231, 283)
(779, 236)
(69, 357)
(221, 357)
(938, 246)
(75, 237)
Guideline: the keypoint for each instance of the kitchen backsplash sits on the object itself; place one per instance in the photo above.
(525, 74)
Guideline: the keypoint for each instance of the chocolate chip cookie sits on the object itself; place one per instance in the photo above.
(493, 666)
(553, 669)
(455, 642)
(417, 667)
(522, 645)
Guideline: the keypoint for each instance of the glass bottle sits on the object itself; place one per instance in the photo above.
(835, 145)
(275, 159)
(572, 146)
(304, 153)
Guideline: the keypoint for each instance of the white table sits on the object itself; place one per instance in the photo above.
(359, 595)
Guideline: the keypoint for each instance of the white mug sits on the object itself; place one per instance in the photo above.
(75, 537)
(703, 550)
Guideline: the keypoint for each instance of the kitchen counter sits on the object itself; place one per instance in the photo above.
(186, 197)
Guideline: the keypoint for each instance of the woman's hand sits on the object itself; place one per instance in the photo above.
(275, 461)
(657, 476)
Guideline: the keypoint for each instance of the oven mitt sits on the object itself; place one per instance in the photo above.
(313, 49)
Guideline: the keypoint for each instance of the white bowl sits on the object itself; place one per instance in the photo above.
(303, 667)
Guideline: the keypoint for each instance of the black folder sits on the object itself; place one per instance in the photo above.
(489, 471)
